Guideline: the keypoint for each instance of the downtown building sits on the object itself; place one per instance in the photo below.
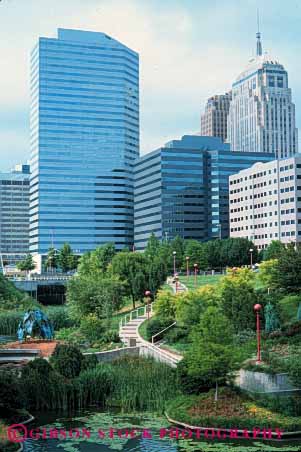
(214, 121)
(14, 215)
(182, 189)
(84, 141)
(262, 114)
(265, 202)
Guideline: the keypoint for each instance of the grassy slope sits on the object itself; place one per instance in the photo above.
(189, 281)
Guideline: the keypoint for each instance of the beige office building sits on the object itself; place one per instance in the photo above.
(265, 202)
(214, 119)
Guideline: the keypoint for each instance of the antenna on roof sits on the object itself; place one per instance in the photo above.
(258, 36)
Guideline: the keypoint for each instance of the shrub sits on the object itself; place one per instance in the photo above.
(191, 384)
(59, 317)
(10, 394)
(176, 334)
(92, 327)
(154, 326)
(71, 335)
(89, 362)
(67, 360)
(288, 308)
(111, 336)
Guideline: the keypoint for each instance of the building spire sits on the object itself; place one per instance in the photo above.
(258, 36)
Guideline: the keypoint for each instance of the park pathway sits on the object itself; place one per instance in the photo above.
(129, 335)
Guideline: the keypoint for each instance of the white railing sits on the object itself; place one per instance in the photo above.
(157, 334)
(135, 314)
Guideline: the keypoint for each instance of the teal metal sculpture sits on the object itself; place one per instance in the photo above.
(35, 324)
(272, 322)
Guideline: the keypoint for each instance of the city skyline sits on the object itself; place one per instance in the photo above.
(163, 35)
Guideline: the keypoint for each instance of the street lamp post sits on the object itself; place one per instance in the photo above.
(251, 257)
(148, 297)
(257, 308)
(177, 282)
(195, 274)
(187, 265)
(174, 262)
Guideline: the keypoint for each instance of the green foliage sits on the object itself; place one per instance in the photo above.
(178, 245)
(196, 251)
(92, 327)
(294, 371)
(26, 264)
(274, 250)
(231, 410)
(288, 271)
(89, 362)
(43, 388)
(10, 394)
(268, 271)
(51, 259)
(299, 312)
(165, 305)
(288, 308)
(9, 295)
(191, 305)
(238, 296)
(232, 252)
(66, 259)
(100, 295)
(97, 261)
(134, 270)
(155, 325)
(210, 356)
(67, 360)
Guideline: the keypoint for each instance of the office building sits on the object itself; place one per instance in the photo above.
(14, 215)
(215, 118)
(262, 114)
(182, 189)
(84, 140)
(265, 202)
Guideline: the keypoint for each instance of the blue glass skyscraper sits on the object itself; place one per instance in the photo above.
(182, 189)
(84, 140)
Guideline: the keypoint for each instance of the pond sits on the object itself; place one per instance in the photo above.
(104, 421)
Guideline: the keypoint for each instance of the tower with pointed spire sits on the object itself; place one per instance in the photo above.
(262, 114)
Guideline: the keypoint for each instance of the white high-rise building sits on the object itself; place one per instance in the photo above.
(262, 114)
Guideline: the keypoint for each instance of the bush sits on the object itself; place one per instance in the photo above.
(67, 360)
(191, 384)
(92, 328)
(89, 362)
(10, 394)
(176, 334)
(59, 317)
(71, 335)
(111, 336)
(154, 326)
(288, 308)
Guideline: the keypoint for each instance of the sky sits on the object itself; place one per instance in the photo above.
(189, 50)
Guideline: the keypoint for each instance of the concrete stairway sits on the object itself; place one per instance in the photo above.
(128, 332)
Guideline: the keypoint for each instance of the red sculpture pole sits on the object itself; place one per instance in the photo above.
(257, 308)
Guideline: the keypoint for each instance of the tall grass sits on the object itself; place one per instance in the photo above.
(131, 384)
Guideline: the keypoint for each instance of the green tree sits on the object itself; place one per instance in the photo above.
(26, 264)
(196, 251)
(288, 271)
(210, 356)
(238, 296)
(66, 259)
(51, 259)
(153, 247)
(100, 295)
(132, 268)
(165, 305)
(274, 250)
(299, 313)
(190, 306)
(97, 261)
(268, 271)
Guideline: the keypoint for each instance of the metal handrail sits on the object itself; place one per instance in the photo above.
(157, 334)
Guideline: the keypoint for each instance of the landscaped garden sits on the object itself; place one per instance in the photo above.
(215, 331)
